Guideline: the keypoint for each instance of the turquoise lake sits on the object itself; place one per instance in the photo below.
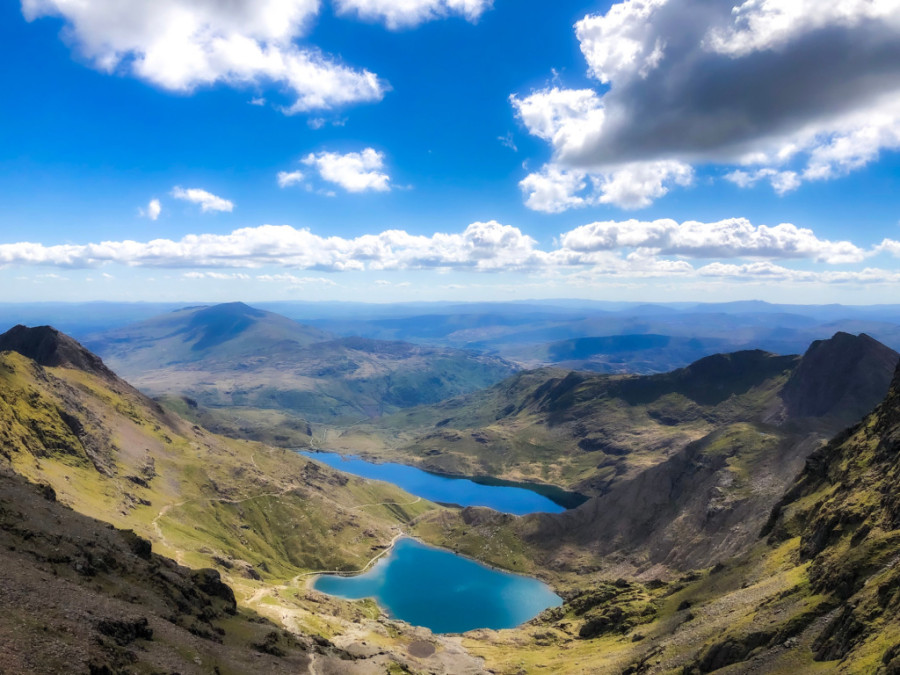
(499, 496)
(440, 590)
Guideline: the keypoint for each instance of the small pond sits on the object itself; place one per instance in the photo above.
(430, 587)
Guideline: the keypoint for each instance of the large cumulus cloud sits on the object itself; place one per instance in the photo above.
(789, 91)
(180, 45)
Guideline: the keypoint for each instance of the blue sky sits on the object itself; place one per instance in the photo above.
(450, 149)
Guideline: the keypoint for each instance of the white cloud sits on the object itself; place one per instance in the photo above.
(294, 280)
(782, 181)
(632, 186)
(288, 178)
(218, 276)
(890, 246)
(483, 246)
(553, 190)
(405, 13)
(354, 171)
(183, 44)
(769, 24)
(568, 118)
(781, 92)
(206, 200)
(636, 185)
(732, 238)
(771, 272)
(154, 208)
(486, 246)
(621, 42)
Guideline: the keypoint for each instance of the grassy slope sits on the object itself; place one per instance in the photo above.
(263, 517)
(78, 596)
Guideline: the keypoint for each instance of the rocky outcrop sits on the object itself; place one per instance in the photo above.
(48, 347)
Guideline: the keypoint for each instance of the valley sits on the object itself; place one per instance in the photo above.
(661, 570)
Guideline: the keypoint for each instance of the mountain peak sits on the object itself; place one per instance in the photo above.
(220, 323)
(843, 377)
(49, 347)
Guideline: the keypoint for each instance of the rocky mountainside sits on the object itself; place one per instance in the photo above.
(79, 596)
(236, 356)
(259, 518)
(840, 520)
(817, 590)
(588, 432)
(699, 456)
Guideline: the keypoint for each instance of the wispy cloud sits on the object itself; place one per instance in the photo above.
(408, 13)
(152, 211)
(288, 178)
(206, 200)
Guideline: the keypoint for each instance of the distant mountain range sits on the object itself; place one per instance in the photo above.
(236, 355)
(577, 334)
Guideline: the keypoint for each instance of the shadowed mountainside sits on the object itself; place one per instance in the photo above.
(839, 378)
(48, 347)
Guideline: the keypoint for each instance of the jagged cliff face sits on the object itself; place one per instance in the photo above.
(845, 509)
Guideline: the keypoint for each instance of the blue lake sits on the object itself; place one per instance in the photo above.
(447, 593)
(499, 496)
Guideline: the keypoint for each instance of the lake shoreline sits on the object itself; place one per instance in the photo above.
(387, 604)
(563, 500)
